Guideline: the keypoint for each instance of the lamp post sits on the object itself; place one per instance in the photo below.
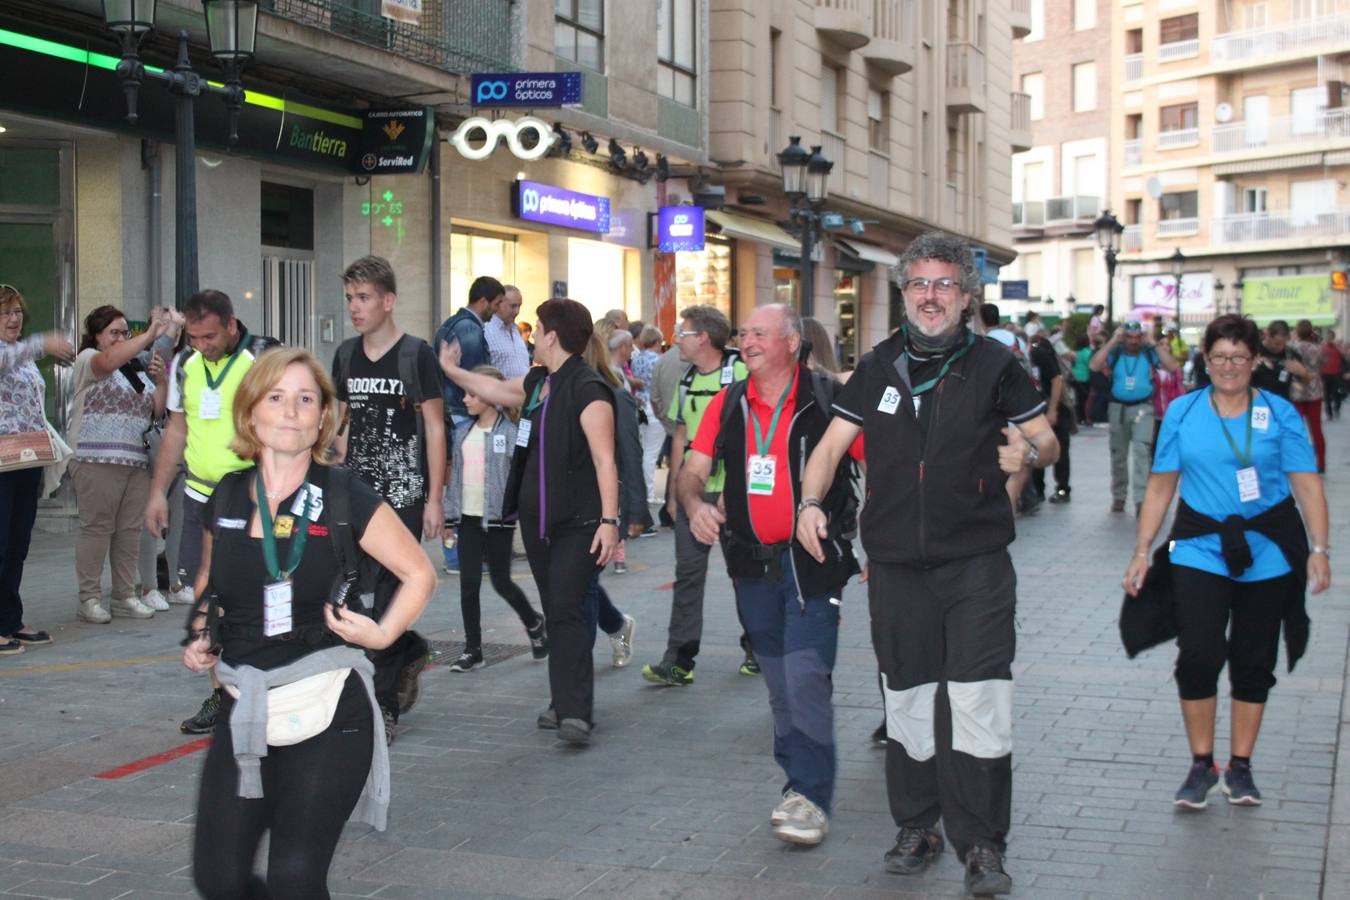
(1237, 296)
(1178, 261)
(1220, 301)
(806, 177)
(231, 28)
(1109, 230)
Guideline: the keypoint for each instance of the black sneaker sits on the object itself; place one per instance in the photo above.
(1194, 791)
(914, 849)
(410, 683)
(1239, 786)
(204, 722)
(879, 736)
(547, 720)
(984, 872)
(751, 665)
(468, 661)
(1059, 497)
(538, 641)
(649, 531)
(575, 732)
(665, 518)
(390, 725)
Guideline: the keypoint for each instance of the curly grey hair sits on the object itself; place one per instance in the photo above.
(946, 248)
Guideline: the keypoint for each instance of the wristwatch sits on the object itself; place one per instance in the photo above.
(809, 501)
(614, 522)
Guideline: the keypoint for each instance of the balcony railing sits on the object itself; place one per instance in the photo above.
(879, 179)
(1132, 241)
(1179, 50)
(454, 35)
(1021, 111)
(892, 47)
(1178, 138)
(1134, 153)
(1301, 34)
(1178, 227)
(1278, 226)
(1029, 214)
(965, 77)
(1078, 208)
(1323, 125)
(1134, 67)
(832, 145)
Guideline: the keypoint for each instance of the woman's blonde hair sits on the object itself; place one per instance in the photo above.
(597, 357)
(266, 372)
(511, 412)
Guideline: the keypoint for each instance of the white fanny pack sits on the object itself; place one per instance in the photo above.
(302, 709)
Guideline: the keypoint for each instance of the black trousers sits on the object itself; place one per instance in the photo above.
(390, 661)
(1061, 467)
(944, 641)
(562, 567)
(309, 791)
(1221, 620)
(476, 542)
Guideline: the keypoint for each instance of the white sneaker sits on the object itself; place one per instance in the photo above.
(183, 596)
(155, 600)
(91, 609)
(131, 608)
(622, 643)
(785, 808)
(807, 825)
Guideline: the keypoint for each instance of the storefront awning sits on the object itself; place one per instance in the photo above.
(868, 252)
(751, 229)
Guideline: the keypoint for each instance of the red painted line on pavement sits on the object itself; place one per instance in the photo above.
(665, 587)
(158, 759)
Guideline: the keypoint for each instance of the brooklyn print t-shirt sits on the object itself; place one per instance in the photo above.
(382, 422)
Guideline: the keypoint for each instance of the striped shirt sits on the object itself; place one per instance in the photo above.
(506, 347)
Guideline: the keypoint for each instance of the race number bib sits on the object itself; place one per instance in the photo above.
(761, 471)
(1261, 418)
(499, 443)
(728, 374)
(890, 401)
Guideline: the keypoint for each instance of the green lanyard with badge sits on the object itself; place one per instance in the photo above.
(763, 465)
(277, 613)
(1249, 485)
(210, 406)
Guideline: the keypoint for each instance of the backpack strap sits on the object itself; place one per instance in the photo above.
(221, 497)
(730, 403)
(339, 501)
(408, 348)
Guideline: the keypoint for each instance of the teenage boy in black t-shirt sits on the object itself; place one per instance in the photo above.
(1050, 381)
(379, 442)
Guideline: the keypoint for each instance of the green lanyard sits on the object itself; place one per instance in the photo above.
(531, 406)
(946, 367)
(1244, 456)
(214, 383)
(1131, 369)
(299, 534)
(765, 442)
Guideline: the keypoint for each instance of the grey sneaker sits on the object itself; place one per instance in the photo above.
(622, 643)
(155, 600)
(785, 808)
(575, 732)
(547, 720)
(131, 608)
(1194, 791)
(1238, 785)
(91, 609)
(806, 825)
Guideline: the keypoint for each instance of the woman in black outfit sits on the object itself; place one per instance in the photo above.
(264, 609)
(565, 486)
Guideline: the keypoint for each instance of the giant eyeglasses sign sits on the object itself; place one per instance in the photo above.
(552, 205)
(679, 228)
(532, 89)
(542, 137)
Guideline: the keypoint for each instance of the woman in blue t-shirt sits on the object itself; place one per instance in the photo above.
(1236, 452)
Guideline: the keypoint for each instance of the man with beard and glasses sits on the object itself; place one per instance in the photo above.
(948, 416)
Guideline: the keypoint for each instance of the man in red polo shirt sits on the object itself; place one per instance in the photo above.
(788, 602)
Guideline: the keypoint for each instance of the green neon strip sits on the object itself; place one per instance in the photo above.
(103, 61)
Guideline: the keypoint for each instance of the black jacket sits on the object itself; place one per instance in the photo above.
(1150, 618)
(742, 548)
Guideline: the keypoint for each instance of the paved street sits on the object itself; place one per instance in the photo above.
(673, 797)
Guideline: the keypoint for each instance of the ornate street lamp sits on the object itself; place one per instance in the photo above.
(1220, 301)
(231, 27)
(1109, 230)
(806, 178)
(1178, 262)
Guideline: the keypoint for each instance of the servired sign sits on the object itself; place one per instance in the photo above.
(549, 204)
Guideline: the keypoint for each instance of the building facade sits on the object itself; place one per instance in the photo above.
(1063, 78)
(1230, 125)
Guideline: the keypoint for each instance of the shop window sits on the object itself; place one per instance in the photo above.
(704, 277)
(30, 176)
(287, 216)
(579, 32)
(676, 26)
(848, 311)
(472, 255)
(595, 275)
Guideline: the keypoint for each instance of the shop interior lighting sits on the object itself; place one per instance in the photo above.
(618, 157)
(589, 142)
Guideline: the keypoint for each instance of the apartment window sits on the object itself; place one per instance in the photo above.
(1134, 41)
(831, 86)
(675, 29)
(1084, 14)
(1254, 200)
(1305, 106)
(1134, 126)
(1134, 211)
(1085, 87)
(1086, 176)
(1254, 15)
(1037, 21)
(1179, 28)
(1031, 271)
(953, 150)
(1313, 9)
(1085, 269)
(878, 115)
(1033, 182)
(1033, 85)
(775, 39)
(579, 32)
(1182, 117)
(1179, 205)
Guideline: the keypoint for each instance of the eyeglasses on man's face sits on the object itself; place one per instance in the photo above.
(944, 287)
(1220, 360)
(118, 333)
(685, 334)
